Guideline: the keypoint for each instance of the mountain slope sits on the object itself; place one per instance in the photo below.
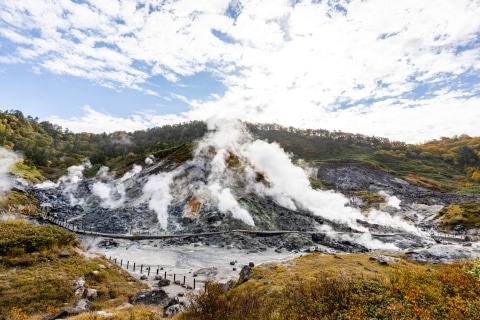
(229, 180)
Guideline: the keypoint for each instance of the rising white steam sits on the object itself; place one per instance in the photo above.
(102, 172)
(392, 201)
(228, 160)
(48, 184)
(385, 219)
(128, 175)
(149, 160)
(112, 193)
(289, 184)
(7, 160)
(286, 183)
(68, 183)
(157, 193)
(224, 140)
(283, 181)
(228, 203)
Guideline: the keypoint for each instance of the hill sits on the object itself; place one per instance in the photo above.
(231, 184)
(446, 164)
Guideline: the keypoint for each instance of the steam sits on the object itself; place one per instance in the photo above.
(228, 203)
(68, 183)
(392, 201)
(157, 193)
(112, 193)
(383, 218)
(228, 160)
(225, 139)
(7, 161)
(229, 163)
(102, 172)
(135, 170)
(149, 160)
(289, 184)
(284, 182)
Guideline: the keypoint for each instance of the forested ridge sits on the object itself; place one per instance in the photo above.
(449, 163)
(52, 149)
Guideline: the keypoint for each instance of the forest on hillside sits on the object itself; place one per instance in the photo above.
(44, 144)
(449, 163)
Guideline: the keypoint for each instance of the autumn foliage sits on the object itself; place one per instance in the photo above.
(403, 291)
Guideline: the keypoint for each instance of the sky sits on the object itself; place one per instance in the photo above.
(405, 70)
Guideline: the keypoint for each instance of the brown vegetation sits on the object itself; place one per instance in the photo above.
(346, 287)
(38, 264)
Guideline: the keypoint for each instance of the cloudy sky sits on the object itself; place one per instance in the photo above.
(407, 70)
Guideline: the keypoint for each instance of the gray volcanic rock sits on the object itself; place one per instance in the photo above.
(188, 214)
(79, 307)
(245, 274)
(439, 254)
(155, 297)
(347, 177)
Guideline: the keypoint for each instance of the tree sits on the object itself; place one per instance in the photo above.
(466, 156)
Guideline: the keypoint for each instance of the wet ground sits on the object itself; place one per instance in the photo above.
(181, 263)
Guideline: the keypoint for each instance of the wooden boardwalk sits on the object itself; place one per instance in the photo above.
(264, 233)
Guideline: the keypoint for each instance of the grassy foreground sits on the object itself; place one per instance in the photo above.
(351, 286)
(38, 264)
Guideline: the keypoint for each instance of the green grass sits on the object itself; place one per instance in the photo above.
(18, 202)
(466, 214)
(369, 199)
(38, 264)
(27, 172)
(18, 237)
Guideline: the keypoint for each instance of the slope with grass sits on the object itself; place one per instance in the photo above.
(319, 286)
(38, 264)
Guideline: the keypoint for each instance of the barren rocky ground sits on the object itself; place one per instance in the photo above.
(414, 204)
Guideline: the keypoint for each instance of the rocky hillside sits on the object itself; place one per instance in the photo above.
(229, 180)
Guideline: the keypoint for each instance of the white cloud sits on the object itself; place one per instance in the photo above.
(290, 62)
(98, 122)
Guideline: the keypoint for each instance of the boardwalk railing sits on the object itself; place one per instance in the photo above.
(186, 280)
(444, 235)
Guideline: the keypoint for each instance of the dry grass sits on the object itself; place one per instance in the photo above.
(138, 312)
(38, 265)
(466, 214)
(320, 286)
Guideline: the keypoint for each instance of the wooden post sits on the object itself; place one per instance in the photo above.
(127, 264)
(134, 266)
(193, 283)
(141, 268)
(121, 263)
(184, 277)
(148, 270)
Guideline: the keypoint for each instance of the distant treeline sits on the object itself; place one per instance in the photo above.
(44, 144)
(447, 163)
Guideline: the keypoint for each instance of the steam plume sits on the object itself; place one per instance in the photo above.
(229, 159)
(7, 160)
(157, 192)
(113, 193)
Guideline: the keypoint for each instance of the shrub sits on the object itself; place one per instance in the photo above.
(17, 236)
(404, 291)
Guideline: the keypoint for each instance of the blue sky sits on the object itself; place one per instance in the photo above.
(406, 70)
